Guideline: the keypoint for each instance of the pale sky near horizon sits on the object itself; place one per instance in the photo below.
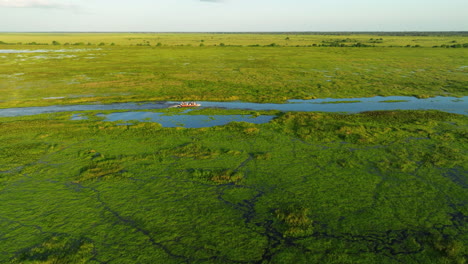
(233, 15)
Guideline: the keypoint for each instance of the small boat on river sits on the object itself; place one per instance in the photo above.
(188, 104)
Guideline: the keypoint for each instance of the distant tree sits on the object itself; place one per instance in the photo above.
(102, 44)
(287, 38)
(159, 44)
(112, 44)
(222, 44)
(55, 42)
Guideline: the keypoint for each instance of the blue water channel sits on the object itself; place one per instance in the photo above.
(188, 121)
(354, 105)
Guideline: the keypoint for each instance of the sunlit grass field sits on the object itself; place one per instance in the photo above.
(244, 39)
(87, 73)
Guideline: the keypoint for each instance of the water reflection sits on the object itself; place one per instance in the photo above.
(188, 121)
(355, 105)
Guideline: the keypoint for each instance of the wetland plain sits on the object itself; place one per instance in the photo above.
(367, 186)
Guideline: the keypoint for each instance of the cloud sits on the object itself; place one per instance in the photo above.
(32, 4)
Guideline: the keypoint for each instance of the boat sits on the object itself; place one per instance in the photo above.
(188, 104)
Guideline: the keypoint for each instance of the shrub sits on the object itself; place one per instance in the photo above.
(294, 220)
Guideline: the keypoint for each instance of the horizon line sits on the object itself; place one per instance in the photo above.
(247, 32)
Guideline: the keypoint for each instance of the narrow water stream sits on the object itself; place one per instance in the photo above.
(352, 105)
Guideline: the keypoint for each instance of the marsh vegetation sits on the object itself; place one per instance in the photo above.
(305, 187)
(385, 187)
(179, 71)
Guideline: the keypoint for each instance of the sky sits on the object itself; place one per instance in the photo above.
(232, 15)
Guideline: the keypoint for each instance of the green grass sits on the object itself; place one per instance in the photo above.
(215, 39)
(385, 186)
(121, 73)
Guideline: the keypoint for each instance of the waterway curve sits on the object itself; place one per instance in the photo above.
(350, 105)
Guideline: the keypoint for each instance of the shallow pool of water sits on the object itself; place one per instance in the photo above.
(188, 121)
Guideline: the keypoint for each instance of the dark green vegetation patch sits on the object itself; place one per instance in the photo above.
(375, 187)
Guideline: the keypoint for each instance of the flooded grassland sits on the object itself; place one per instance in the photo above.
(74, 72)
(146, 183)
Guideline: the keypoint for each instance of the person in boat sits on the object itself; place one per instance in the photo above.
(188, 104)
